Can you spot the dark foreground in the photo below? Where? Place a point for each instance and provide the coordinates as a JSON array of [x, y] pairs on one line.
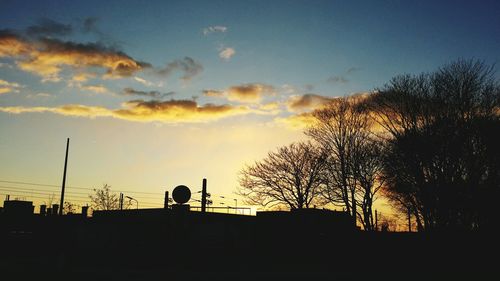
[[162, 245]]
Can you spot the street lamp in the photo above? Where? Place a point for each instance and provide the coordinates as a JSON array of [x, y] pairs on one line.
[[235, 203], [137, 202]]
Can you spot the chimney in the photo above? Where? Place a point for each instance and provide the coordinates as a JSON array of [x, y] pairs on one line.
[[85, 210], [43, 210], [55, 208]]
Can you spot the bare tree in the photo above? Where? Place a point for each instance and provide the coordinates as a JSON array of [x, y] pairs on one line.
[[104, 199], [288, 177], [368, 170], [342, 130], [69, 208]]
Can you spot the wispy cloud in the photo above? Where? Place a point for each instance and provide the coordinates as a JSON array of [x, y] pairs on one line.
[[39, 95], [353, 69], [152, 94], [226, 53], [213, 93], [143, 81], [212, 29], [99, 89], [337, 79], [187, 66], [296, 121], [49, 27], [8, 87], [172, 111], [342, 79]]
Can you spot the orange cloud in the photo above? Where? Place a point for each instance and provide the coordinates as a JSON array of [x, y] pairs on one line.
[[307, 102], [249, 93], [47, 57], [246, 93], [172, 111], [11, 45], [296, 121]]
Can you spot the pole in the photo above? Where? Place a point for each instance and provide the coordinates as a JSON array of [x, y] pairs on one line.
[[121, 201], [165, 204], [204, 196], [64, 178], [376, 220]]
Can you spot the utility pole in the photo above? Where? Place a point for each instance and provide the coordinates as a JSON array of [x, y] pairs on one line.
[[376, 220], [165, 203], [204, 196], [121, 201], [64, 178]]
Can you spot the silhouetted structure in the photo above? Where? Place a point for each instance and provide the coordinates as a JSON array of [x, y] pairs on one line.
[[18, 208]]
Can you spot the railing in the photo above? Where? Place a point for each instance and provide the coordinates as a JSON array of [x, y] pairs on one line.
[[228, 210]]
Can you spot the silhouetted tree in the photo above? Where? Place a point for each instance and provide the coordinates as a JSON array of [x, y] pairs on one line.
[[367, 169], [351, 175], [442, 156], [288, 177], [69, 208], [104, 199]]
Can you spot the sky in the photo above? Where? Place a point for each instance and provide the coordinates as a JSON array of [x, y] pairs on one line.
[[154, 94]]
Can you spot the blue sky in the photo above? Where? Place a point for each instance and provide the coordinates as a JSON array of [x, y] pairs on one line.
[[256, 63]]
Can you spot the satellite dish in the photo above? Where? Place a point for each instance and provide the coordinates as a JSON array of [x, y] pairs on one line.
[[181, 194]]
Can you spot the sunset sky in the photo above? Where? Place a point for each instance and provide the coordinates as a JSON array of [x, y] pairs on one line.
[[154, 94]]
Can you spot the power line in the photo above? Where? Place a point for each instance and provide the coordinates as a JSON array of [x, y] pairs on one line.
[[75, 187]]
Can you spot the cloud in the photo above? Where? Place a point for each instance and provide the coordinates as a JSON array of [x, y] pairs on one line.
[[82, 77], [177, 111], [89, 24], [48, 27], [213, 93], [188, 66], [307, 102], [39, 95], [12, 45], [8, 87], [296, 121], [353, 69], [99, 89], [143, 81], [212, 29], [337, 79], [271, 106], [6, 65], [172, 111], [249, 93], [152, 94], [227, 53], [245, 93], [47, 57]]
